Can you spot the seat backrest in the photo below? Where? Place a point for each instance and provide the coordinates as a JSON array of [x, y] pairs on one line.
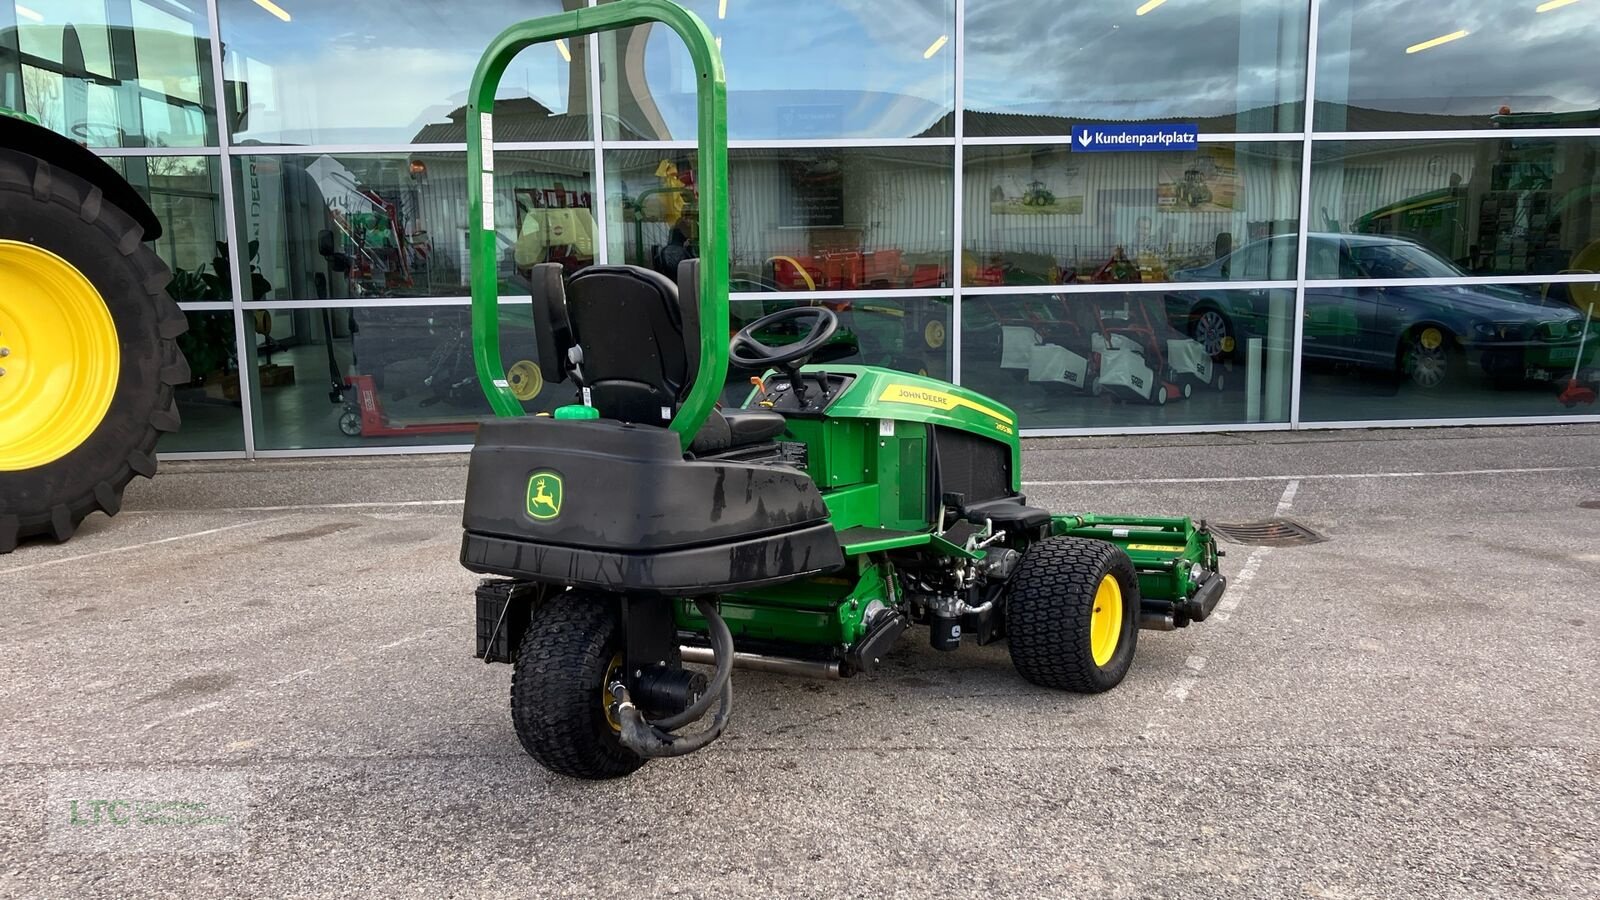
[[639, 345]]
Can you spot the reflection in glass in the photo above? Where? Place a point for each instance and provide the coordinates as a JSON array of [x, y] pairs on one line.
[[395, 224], [136, 73], [911, 335], [1432, 352], [378, 71], [823, 219], [1045, 215], [826, 69], [1503, 206], [185, 193], [1389, 65], [209, 404], [377, 376], [1037, 68], [1101, 360]]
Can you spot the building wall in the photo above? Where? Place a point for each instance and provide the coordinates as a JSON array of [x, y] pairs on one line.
[[1436, 166]]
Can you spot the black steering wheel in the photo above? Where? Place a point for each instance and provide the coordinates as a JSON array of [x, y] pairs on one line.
[[746, 352]]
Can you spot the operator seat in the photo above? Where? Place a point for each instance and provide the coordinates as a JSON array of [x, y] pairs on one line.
[[627, 335]]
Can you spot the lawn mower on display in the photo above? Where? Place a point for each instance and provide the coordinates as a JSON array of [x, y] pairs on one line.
[[1143, 358], [639, 529]]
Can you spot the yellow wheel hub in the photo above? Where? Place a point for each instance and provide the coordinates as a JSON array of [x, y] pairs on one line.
[[525, 379], [1105, 623], [59, 357], [613, 673]]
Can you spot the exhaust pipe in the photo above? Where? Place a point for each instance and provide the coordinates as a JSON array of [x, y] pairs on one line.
[[757, 662]]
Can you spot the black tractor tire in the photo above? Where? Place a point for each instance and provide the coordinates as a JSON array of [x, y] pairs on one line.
[[60, 212], [1050, 602], [557, 688]]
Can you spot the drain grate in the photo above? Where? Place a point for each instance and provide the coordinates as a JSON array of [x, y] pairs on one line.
[[1589, 504], [1268, 533]]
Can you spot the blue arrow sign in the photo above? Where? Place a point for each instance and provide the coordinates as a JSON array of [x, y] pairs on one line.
[[1145, 137]]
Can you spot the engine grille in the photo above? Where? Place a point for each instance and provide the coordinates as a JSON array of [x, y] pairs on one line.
[[976, 467]]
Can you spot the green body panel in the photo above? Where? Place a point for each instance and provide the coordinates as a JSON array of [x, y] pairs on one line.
[[712, 184], [15, 114], [879, 393], [827, 611]]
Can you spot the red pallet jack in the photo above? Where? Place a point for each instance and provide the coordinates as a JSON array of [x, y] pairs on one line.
[[1576, 391], [363, 415]]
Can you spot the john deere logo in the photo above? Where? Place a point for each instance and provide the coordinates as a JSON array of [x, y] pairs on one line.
[[544, 495]]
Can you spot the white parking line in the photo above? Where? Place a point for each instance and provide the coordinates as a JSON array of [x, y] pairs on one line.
[[1340, 476], [1286, 502], [166, 540]]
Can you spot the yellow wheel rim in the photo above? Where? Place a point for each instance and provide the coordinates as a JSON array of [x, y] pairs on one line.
[[933, 334], [613, 673], [58, 353], [1105, 623], [525, 379], [1432, 338]]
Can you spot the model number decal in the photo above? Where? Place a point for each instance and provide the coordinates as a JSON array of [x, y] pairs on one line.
[[1156, 548], [905, 393]]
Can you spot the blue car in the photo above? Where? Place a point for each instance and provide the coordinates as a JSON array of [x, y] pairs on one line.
[[1426, 334]]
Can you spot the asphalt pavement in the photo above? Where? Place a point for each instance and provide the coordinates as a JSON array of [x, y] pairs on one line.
[[258, 681]]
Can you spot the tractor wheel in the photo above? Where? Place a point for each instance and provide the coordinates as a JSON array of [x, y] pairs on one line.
[[1072, 614], [570, 652], [87, 351]]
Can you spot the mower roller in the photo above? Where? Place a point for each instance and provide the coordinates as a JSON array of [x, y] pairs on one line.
[[640, 528]]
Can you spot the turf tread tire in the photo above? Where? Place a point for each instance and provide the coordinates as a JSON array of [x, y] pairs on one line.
[[1049, 601], [60, 212], [555, 700]]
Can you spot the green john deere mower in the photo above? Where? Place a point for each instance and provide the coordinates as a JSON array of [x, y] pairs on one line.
[[641, 528], [88, 352]]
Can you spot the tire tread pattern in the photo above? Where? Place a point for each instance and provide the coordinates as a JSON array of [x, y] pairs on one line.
[[554, 701], [1049, 601], [96, 483]]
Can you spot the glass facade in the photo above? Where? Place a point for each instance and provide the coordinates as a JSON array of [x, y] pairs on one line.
[[1392, 214]]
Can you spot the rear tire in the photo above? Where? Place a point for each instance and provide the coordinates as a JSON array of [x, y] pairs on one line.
[[1051, 615], [558, 687], [57, 211]]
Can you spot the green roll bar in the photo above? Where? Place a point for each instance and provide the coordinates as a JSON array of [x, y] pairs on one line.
[[712, 102]]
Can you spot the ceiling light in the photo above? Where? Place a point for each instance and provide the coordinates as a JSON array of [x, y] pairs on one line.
[[1148, 5], [27, 13], [722, 8], [273, 8], [561, 48], [1543, 7], [1441, 39], [935, 46], [719, 42]]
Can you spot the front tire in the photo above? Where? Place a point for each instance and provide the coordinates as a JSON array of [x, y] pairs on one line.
[[572, 647], [1072, 615]]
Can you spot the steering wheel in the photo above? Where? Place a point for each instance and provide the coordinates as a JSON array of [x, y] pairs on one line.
[[746, 352]]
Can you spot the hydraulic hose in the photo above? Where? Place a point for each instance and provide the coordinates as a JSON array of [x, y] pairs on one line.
[[655, 739]]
